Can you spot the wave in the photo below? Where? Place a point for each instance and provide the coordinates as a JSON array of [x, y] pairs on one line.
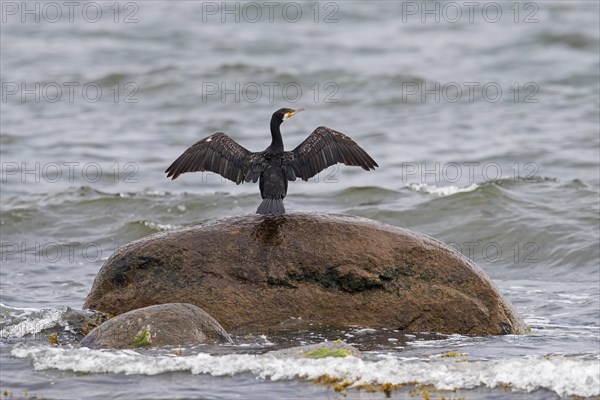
[[441, 190], [574, 40], [565, 376], [505, 182], [24, 322]]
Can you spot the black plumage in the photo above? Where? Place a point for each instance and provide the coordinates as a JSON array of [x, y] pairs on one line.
[[273, 167]]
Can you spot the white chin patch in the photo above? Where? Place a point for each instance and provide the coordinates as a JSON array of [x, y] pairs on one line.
[[286, 116]]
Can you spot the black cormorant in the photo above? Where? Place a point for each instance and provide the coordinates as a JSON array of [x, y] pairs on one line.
[[273, 167]]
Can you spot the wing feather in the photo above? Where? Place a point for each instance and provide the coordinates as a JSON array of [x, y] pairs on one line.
[[217, 153], [323, 148]]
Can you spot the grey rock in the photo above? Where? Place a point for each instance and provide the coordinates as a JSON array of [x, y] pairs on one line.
[[174, 324]]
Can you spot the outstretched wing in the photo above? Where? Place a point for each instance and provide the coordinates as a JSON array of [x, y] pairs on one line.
[[217, 153], [323, 148]]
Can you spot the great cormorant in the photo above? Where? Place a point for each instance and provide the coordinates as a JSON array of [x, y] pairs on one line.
[[273, 167]]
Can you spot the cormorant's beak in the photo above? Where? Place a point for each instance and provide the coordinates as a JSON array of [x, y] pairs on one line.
[[293, 112]]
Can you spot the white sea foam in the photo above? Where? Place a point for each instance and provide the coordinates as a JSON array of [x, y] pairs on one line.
[[19, 322], [160, 227], [566, 376], [441, 190]]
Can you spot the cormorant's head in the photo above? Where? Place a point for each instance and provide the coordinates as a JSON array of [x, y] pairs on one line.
[[284, 113]]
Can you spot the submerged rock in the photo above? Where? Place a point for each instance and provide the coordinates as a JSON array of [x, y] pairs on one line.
[[174, 324], [319, 350], [255, 272]]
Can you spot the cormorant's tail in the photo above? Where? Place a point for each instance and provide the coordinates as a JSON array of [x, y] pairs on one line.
[[271, 206]]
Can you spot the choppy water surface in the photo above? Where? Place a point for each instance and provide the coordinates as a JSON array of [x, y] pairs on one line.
[[485, 125]]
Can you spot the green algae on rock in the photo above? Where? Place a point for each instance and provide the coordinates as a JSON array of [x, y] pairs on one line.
[[322, 353], [143, 337]]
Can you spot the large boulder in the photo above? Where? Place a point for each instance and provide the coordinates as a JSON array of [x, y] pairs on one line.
[[156, 326], [255, 272]]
